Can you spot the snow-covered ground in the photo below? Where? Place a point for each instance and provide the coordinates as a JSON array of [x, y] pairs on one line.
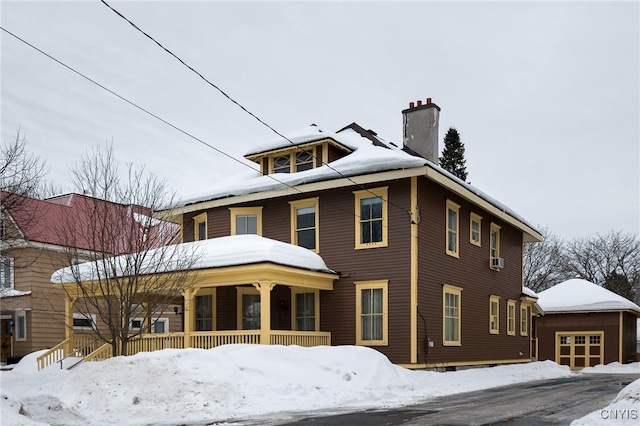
[[240, 382]]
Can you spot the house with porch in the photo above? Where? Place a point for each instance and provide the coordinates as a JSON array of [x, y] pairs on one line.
[[403, 257], [37, 235]]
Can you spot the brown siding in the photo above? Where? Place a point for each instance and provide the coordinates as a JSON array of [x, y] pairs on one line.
[[472, 273], [608, 322], [629, 339]]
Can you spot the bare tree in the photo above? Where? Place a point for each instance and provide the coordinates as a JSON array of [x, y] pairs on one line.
[[21, 174], [544, 262], [132, 269], [611, 260]]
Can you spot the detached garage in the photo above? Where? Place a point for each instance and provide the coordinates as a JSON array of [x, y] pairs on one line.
[[585, 325]]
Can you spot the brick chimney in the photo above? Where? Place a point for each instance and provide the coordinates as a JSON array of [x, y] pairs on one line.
[[420, 130]]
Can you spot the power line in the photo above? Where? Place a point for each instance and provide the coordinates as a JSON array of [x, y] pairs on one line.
[[242, 107], [163, 120]]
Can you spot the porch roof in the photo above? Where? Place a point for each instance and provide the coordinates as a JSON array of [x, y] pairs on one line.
[[216, 253]]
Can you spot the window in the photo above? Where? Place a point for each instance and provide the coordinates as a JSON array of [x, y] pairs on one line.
[[524, 322], [21, 326], [452, 228], [246, 220], [161, 325], [304, 160], [6, 273], [204, 312], [84, 321], [451, 298], [304, 223], [511, 317], [494, 244], [475, 230], [282, 164], [200, 227], [305, 310], [372, 313], [248, 308], [371, 221], [494, 315]]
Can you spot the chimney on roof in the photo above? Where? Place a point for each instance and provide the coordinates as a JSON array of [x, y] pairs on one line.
[[420, 130]]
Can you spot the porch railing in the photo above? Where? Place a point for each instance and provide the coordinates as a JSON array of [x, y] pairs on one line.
[[155, 342], [211, 339], [79, 346], [300, 338]]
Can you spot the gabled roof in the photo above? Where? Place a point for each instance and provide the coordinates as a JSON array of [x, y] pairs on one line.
[[39, 221], [367, 160], [578, 295]]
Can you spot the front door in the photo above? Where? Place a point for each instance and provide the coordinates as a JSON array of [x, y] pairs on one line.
[[5, 338]]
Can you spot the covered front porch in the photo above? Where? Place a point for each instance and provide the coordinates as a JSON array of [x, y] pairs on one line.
[[255, 302]]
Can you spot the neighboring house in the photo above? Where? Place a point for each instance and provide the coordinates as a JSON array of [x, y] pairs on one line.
[[34, 237], [585, 324]]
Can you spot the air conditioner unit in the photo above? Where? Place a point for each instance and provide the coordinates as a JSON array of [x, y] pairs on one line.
[[497, 263]]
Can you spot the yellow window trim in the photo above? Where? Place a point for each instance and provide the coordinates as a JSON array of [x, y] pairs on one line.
[[451, 206], [208, 291], [450, 289], [524, 321], [241, 211], [291, 153], [494, 229], [475, 219], [511, 317], [308, 202], [241, 291], [197, 220], [494, 320], [298, 290], [365, 285], [382, 192]]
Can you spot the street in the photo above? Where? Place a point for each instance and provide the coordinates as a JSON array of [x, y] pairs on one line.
[[549, 402]]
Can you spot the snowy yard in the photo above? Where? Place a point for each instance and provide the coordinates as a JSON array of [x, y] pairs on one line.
[[235, 382]]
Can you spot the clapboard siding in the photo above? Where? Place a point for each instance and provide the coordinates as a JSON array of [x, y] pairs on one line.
[[471, 272]]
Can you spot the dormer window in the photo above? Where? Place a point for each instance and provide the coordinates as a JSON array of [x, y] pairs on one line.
[[293, 159], [282, 164], [304, 161]]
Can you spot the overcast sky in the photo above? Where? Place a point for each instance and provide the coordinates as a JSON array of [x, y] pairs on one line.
[[546, 96]]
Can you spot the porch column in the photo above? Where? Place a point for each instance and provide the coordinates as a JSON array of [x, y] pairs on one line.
[[187, 314], [265, 287], [69, 303]]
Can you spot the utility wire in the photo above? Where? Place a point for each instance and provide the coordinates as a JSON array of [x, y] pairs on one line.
[[163, 120], [242, 107]]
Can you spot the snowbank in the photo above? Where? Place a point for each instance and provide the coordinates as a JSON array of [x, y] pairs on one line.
[[235, 382]]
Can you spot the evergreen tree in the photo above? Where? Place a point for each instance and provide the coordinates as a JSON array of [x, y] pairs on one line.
[[452, 159]]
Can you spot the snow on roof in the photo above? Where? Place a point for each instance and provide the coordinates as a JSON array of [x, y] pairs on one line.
[[10, 292], [578, 295], [307, 134], [212, 253], [528, 292], [366, 158]]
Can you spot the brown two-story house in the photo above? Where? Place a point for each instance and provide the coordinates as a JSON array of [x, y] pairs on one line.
[[428, 269]]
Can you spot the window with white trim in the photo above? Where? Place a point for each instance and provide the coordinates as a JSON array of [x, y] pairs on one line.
[[84, 321], [372, 315], [21, 326], [6, 273]]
